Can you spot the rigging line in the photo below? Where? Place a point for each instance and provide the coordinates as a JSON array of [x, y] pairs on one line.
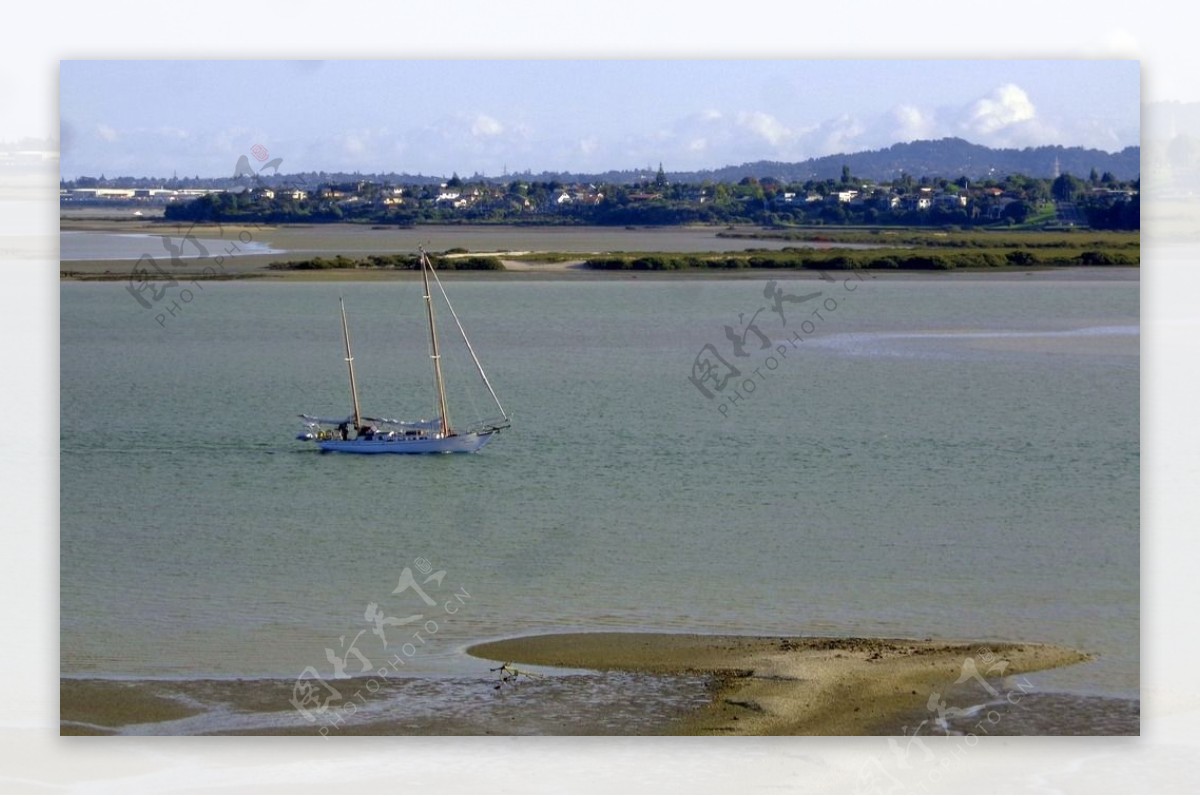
[[470, 348], [350, 364]]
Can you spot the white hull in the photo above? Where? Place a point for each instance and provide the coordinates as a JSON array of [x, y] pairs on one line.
[[456, 443]]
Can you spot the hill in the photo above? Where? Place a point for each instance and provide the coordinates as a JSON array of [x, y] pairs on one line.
[[949, 157]]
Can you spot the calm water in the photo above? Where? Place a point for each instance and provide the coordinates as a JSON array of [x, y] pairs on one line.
[[75, 245], [937, 458], [325, 239]]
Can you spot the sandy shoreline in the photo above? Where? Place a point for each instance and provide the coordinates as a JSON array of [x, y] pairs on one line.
[[790, 686], [662, 684]]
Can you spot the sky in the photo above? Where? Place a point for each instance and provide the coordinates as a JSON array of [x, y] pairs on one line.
[[440, 117]]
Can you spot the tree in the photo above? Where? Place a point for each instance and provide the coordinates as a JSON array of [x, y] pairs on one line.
[[833, 214], [1065, 188], [1017, 212]]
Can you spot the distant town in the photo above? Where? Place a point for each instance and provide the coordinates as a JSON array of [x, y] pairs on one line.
[[1099, 201], [928, 183]]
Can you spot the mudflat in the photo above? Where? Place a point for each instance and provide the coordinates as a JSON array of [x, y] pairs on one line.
[[790, 686]]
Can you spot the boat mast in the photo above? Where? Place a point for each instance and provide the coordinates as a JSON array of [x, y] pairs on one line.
[[435, 353], [474, 357], [350, 364]]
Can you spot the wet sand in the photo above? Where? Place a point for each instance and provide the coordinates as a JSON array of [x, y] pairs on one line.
[[98, 707], [788, 686], [572, 703], [602, 684]]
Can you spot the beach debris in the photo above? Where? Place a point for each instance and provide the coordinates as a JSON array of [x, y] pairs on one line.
[[509, 674]]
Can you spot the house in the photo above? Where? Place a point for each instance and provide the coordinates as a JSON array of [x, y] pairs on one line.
[[1119, 194], [950, 201], [995, 210]]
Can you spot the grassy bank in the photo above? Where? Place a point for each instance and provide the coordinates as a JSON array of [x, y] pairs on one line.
[[945, 238], [405, 262], [349, 251], [916, 250], [908, 259]]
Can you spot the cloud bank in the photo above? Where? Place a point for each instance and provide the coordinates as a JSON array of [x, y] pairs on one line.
[[489, 142]]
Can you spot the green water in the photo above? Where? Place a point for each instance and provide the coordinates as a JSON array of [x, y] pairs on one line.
[[937, 458]]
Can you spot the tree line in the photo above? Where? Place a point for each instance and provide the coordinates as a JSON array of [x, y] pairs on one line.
[[1100, 201]]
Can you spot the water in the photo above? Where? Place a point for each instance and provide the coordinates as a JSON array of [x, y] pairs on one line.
[[78, 245], [950, 458], [361, 240]]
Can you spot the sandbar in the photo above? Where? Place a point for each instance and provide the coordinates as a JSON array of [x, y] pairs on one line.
[[789, 685]]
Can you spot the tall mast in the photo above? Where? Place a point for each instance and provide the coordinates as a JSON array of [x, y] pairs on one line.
[[474, 356], [350, 364], [435, 353]]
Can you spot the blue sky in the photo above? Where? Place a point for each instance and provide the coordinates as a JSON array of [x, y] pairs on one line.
[[437, 117]]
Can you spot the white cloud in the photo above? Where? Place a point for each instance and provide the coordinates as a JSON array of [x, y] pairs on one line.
[[834, 136], [1003, 107], [346, 150], [909, 123], [475, 142], [707, 137], [486, 126], [765, 126]]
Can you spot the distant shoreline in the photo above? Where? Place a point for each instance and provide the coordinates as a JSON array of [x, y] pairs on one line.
[[526, 253]]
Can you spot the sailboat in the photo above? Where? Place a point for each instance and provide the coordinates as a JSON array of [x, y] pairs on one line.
[[358, 433]]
